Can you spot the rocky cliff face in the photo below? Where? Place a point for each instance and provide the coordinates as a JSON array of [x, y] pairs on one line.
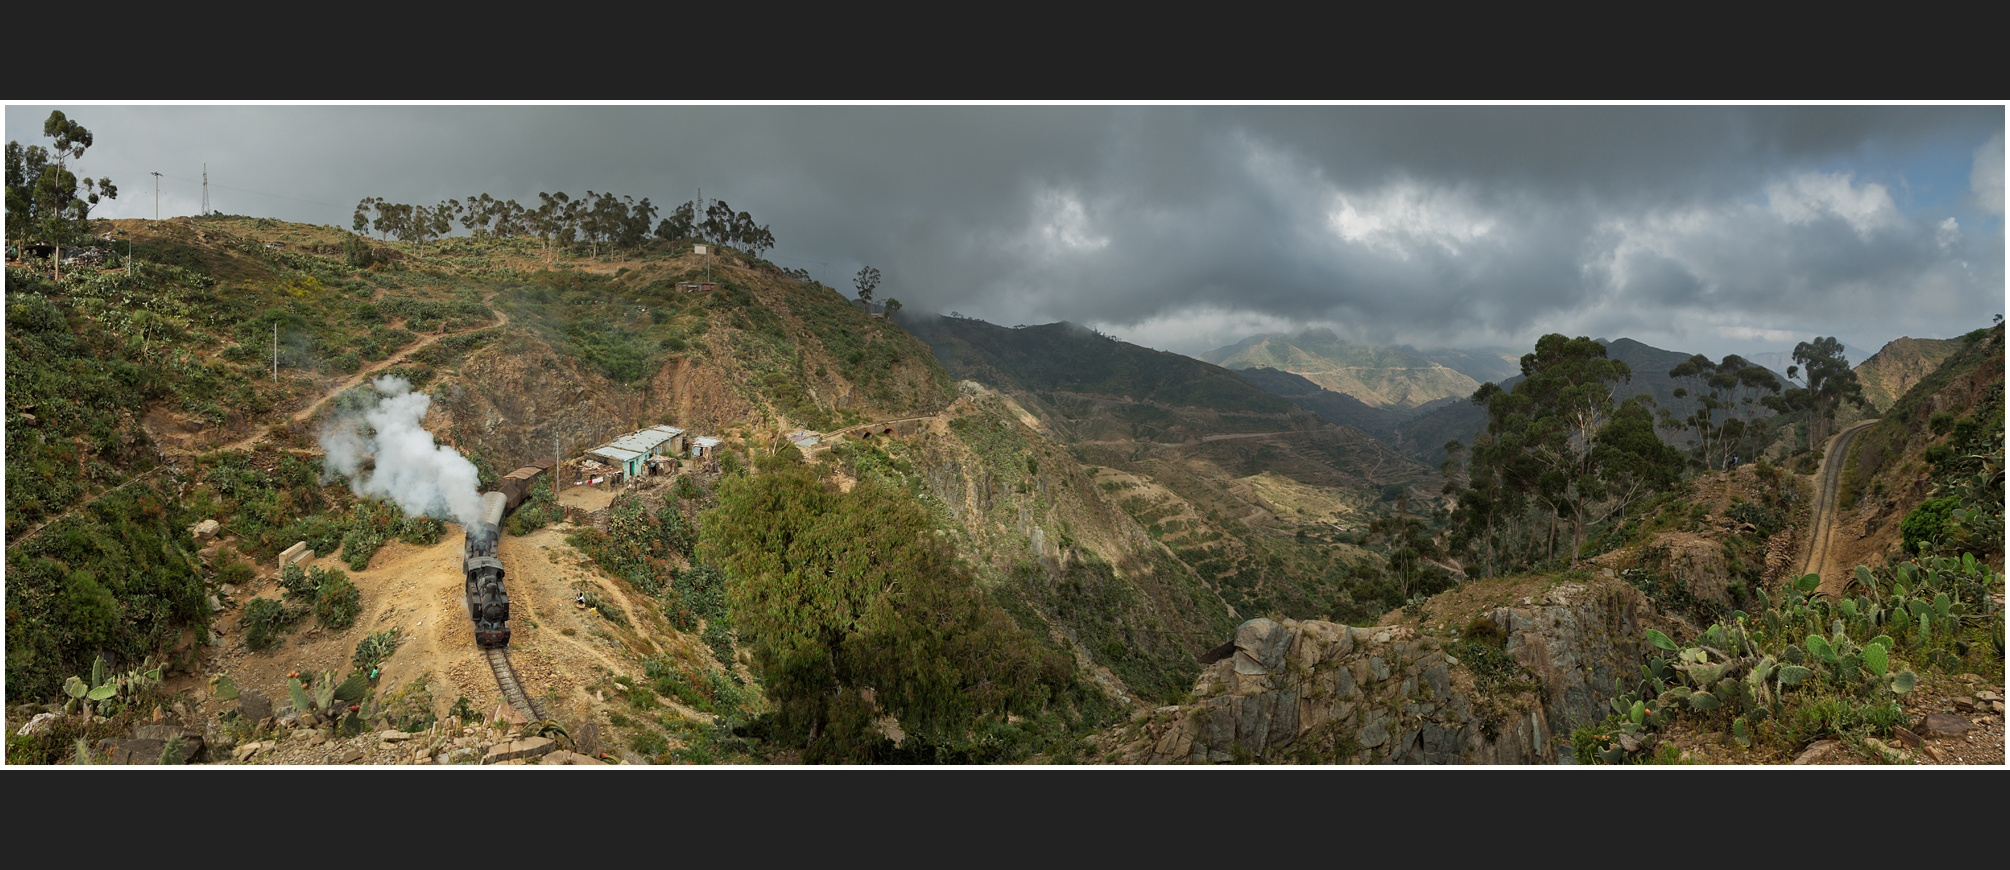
[[1321, 693]]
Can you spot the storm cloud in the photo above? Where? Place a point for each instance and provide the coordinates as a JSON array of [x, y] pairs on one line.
[[1703, 229]]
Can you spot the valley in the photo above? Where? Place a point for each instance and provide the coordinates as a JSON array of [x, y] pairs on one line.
[[1109, 515]]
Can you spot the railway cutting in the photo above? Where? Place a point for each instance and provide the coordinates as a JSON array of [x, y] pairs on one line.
[[1822, 525]]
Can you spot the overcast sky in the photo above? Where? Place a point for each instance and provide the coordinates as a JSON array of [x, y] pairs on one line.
[[1700, 229]]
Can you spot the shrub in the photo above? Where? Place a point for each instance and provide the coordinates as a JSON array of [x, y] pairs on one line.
[[337, 601], [1484, 631], [264, 624], [294, 580], [1757, 515], [374, 649], [410, 707], [1926, 523], [422, 531], [233, 570]]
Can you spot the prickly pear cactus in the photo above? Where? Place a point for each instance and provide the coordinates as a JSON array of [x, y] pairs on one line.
[[352, 689], [324, 691]]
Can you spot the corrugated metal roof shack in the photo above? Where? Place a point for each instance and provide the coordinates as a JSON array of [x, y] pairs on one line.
[[630, 453]]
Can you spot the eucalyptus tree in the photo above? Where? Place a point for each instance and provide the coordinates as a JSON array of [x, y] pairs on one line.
[[718, 225], [1827, 382], [555, 219], [1559, 442], [1734, 387], [477, 213], [634, 225], [679, 225], [43, 195], [866, 280]]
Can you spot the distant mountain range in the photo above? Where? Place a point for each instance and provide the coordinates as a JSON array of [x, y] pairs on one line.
[[1396, 378], [1778, 360], [1420, 430]]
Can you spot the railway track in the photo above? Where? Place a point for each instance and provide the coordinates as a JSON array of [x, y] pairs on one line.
[[1825, 508], [512, 688]]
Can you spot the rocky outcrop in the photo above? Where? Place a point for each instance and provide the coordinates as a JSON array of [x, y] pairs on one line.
[[1321, 693]]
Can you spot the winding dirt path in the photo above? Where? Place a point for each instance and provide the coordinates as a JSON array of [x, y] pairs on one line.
[[245, 443], [1821, 526], [350, 382]]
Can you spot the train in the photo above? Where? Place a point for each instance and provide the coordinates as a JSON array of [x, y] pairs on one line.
[[487, 596]]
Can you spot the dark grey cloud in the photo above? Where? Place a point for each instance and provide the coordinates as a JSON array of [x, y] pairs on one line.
[[1713, 229]]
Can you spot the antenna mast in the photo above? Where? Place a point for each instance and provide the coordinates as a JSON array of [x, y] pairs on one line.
[[205, 189]]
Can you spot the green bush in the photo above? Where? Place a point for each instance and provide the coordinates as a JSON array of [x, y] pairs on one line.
[[374, 649], [1757, 515], [233, 570], [337, 601], [1927, 523], [264, 624]]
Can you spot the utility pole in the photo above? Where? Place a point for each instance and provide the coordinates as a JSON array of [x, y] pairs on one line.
[[157, 196], [205, 193]]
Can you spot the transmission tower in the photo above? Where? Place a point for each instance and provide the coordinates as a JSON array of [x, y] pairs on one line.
[[205, 190]]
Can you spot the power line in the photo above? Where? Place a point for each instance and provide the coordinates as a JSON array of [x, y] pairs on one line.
[[248, 190]]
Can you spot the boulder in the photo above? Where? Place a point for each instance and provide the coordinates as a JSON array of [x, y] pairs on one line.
[[191, 740], [1823, 752], [41, 723], [253, 705], [1944, 725], [516, 750]]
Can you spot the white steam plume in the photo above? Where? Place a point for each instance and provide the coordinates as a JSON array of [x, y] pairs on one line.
[[423, 479]]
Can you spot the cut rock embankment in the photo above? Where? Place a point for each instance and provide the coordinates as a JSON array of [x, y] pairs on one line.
[[1321, 693]]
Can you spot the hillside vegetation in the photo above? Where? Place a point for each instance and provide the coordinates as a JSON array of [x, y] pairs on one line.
[[1049, 529], [147, 403]]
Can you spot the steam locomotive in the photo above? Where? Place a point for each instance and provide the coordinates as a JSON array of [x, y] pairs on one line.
[[488, 600]]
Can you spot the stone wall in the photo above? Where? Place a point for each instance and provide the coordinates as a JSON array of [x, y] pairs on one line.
[[1321, 693]]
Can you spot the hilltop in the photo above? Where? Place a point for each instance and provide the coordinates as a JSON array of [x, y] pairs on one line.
[[1899, 365]]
